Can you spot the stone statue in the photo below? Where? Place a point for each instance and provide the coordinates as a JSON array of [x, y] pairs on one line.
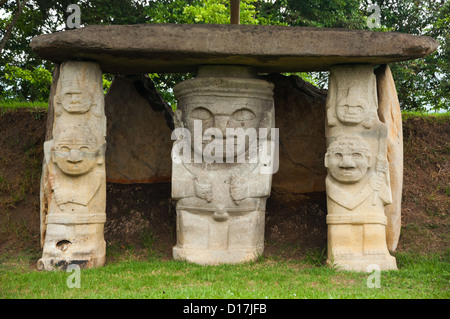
[[79, 98], [352, 96], [357, 185], [73, 187], [76, 171], [220, 188]]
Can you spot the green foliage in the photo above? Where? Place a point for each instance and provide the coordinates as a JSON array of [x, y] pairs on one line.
[[314, 13], [308, 77], [421, 83], [106, 83], [218, 12], [212, 12], [32, 85]]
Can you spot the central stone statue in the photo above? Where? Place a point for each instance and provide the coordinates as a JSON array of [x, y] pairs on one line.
[[221, 187]]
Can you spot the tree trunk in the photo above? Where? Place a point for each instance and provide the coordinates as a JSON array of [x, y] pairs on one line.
[[13, 22]]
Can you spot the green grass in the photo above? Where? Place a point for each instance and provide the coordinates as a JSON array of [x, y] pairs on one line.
[[424, 277], [14, 105], [443, 117]]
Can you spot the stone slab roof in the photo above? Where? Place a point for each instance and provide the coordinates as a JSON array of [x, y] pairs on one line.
[[174, 48]]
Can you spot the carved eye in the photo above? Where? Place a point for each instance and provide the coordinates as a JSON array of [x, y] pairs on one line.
[[338, 155], [200, 113], [64, 149], [243, 115], [84, 149], [357, 155]]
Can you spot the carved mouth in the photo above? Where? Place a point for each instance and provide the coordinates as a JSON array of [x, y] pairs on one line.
[[76, 105], [352, 117], [347, 170]]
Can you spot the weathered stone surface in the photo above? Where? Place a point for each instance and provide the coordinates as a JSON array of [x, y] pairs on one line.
[[390, 114], [300, 109], [138, 137], [73, 187], [357, 185], [181, 48], [221, 201]]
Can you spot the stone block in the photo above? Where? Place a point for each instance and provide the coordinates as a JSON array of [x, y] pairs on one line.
[[138, 137], [389, 113]]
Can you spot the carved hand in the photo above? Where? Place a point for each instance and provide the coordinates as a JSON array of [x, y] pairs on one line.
[[51, 181], [56, 192], [379, 181], [238, 188], [203, 190], [381, 169], [59, 198], [382, 165]]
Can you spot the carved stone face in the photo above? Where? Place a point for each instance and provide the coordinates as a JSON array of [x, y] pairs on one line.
[[352, 95], [347, 160], [222, 116], [75, 101], [352, 104], [76, 154]]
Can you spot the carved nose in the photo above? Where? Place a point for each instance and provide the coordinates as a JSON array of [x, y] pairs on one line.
[[221, 122], [347, 162], [76, 98], [353, 100], [74, 156]]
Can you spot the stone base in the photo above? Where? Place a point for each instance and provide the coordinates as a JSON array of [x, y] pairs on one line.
[[216, 257], [361, 263], [62, 264], [81, 244]]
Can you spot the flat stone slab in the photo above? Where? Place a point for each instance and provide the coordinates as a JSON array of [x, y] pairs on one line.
[[182, 47]]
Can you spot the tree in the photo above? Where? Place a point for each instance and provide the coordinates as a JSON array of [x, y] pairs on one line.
[[19, 7], [37, 17], [18, 25], [314, 13], [421, 83]]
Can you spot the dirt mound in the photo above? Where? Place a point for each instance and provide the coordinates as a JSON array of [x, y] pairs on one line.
[[143, 215], [22, 135], [426, 184]]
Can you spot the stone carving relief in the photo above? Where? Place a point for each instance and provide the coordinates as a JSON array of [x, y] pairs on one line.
[[221, 203], [352, 97], [73, 190], [357, 185], [79, 98]]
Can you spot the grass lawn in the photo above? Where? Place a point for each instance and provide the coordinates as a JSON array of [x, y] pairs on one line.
[[418, 277], [13, 105]]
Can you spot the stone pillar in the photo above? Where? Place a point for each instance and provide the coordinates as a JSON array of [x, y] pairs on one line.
[[221, 196], [73, 186], [357, 184]]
